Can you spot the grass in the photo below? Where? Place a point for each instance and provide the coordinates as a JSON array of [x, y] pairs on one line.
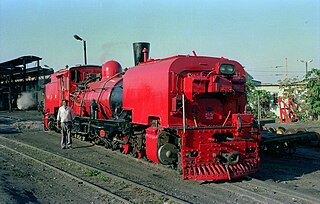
[[92, 173]]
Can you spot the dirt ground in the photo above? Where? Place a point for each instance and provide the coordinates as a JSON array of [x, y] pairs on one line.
[[23, 181]]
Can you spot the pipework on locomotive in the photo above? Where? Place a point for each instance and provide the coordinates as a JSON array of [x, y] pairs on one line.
[[185, 111]]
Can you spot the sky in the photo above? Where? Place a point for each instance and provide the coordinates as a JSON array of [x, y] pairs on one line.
[[260, 34]]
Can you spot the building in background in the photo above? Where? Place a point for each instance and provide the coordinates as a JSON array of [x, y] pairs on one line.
[[277, 90], [23, 74], [250, 78]]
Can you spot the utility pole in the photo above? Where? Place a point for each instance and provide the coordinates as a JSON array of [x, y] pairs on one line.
[[259, 112], [286, 69]]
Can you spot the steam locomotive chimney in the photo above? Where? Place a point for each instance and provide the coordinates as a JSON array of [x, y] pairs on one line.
[[141, 52]]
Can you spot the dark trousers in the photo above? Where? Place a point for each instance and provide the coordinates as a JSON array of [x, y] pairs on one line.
[[66, 134]]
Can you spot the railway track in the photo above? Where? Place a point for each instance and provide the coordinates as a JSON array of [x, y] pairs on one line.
[[252, 189], [119, 188], [270, 193], [310, 158], [65, 173], [294, 195]]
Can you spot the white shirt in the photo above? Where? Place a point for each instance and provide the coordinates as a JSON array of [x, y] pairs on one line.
[[65, 114]]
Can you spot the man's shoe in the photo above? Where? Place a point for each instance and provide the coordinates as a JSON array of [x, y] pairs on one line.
[[63, 147], [69, 147]]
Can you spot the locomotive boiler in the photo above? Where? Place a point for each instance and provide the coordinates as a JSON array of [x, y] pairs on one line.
[[187, 111]]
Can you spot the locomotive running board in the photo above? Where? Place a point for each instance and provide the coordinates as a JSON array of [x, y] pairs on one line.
[[213, 172]]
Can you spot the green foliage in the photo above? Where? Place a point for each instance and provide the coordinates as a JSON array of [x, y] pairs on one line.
[[252, 101], [312, 98], [92, 173], [306, 96], [293, 88], [290, 88], [250, 86]]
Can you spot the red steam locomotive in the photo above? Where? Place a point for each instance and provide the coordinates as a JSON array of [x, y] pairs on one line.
[[185, 111]]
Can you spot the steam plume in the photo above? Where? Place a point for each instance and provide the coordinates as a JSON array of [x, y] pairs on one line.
[[25, 101]]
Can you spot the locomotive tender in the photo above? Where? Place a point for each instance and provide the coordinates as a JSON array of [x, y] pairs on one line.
[[185, 111]]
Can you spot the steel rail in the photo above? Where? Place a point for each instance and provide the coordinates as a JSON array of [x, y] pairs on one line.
[[301, 156], [259, 198], [283, 191], [242, 192], [111, 175]]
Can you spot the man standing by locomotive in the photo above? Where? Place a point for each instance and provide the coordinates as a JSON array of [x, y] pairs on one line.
[[65, 118]]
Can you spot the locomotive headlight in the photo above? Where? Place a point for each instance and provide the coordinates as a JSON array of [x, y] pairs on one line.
[[227, 69]]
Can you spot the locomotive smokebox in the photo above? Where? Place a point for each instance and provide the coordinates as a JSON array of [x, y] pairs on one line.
[[141, 52]]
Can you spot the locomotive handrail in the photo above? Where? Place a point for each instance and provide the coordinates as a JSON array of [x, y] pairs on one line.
[[240, 123], [183, 113], [225, 121], [81, 103], [105, 87], [85, 91], [103, 112]]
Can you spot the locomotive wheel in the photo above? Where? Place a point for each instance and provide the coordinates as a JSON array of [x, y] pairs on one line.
[[168, 154], [275, 149], [271, 130], [289, 148], [97, 141], [136, 153], [125, 147], [281, 130], [44, 128], [263, 147], [300, 130], [51, 125], [291, 131], [140, 155]]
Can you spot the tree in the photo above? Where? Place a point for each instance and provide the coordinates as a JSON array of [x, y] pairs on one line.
[[294, 88], [252, 101], [312, 86], [289, 87]]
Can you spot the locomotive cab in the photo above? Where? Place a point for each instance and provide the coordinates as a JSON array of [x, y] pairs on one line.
[[63, 85]]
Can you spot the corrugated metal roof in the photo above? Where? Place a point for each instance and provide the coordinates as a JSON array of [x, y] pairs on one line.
[[19, 61]]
